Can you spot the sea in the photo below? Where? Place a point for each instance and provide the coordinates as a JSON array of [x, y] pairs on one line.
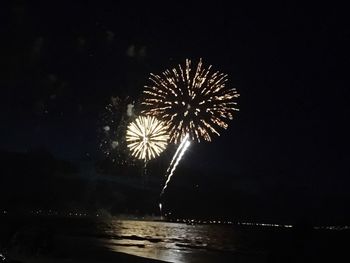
[[177, 242], [192, 243]]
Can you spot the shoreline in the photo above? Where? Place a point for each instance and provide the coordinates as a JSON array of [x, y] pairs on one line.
[[41, 241]]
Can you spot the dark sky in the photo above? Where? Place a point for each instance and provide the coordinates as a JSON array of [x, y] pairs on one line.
[[290, 63]]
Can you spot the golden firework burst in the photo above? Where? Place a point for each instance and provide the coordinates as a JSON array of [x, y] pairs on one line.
[[146, 137], [190, 101]]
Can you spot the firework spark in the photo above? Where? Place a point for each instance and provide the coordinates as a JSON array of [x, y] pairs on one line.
[[112, 129], [146, 137], [191, 101], [176, 159]]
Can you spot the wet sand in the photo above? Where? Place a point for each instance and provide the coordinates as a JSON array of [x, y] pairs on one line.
[[103, 257], [77, 250]]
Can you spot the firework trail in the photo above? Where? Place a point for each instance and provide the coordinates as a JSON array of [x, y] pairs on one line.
[[146, 137], [192, 101], [178, 150], [176, 159], [160, 209]]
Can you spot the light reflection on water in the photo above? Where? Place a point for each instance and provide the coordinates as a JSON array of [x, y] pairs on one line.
[[170, 242]]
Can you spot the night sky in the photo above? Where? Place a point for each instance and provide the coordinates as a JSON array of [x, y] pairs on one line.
[[285, 155]]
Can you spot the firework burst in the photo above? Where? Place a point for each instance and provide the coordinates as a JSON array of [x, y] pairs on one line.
[[146, 137], [192, 101]]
